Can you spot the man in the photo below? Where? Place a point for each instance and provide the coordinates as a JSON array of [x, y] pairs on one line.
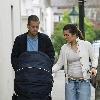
[[31, 41]]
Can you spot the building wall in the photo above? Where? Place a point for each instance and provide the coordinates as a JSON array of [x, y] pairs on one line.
[[42, 9], [49, 21], [92, 9], [28, 7], [9, 29]]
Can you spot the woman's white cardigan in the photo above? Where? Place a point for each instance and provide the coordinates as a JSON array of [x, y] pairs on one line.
[[85, 51]]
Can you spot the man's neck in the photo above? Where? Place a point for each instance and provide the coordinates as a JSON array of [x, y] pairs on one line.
[[31, 35]]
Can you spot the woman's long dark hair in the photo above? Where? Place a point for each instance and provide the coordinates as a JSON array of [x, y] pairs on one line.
[[73, 29]]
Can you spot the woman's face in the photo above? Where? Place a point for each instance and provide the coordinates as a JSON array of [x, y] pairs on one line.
[[69, 37]]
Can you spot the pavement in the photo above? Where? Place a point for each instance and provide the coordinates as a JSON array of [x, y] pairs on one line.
[[58, 91]]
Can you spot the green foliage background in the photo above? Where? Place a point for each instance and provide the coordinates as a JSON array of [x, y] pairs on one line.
[[58, 39], [89, 30]]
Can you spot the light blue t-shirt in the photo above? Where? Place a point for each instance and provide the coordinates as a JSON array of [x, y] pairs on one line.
[[32, 43]]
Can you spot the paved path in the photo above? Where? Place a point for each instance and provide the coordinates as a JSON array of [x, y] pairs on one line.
[[58, 87]]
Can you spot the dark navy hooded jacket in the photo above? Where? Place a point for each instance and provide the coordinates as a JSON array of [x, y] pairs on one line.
[[20, 46]]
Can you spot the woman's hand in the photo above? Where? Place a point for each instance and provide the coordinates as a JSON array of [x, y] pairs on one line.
[[93, 71]]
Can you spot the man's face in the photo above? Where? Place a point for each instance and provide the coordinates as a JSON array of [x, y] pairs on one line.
[[33, 27]]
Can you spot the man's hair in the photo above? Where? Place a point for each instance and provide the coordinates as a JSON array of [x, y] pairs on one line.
[[32, 18]]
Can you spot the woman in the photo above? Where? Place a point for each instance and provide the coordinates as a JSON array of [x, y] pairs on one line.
[[74, 56]]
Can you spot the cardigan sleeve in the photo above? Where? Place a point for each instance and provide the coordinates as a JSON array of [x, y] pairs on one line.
[[59, 63], [92, 55]]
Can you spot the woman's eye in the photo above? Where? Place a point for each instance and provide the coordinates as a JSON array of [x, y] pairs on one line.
[[66, 35]]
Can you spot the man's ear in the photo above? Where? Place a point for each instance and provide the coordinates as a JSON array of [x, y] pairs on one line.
[[28, 26]]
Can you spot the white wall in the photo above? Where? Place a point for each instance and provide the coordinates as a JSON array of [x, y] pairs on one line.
[[9, 29], [28, 7], [42, 10], [24, 24], [49, 21]]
